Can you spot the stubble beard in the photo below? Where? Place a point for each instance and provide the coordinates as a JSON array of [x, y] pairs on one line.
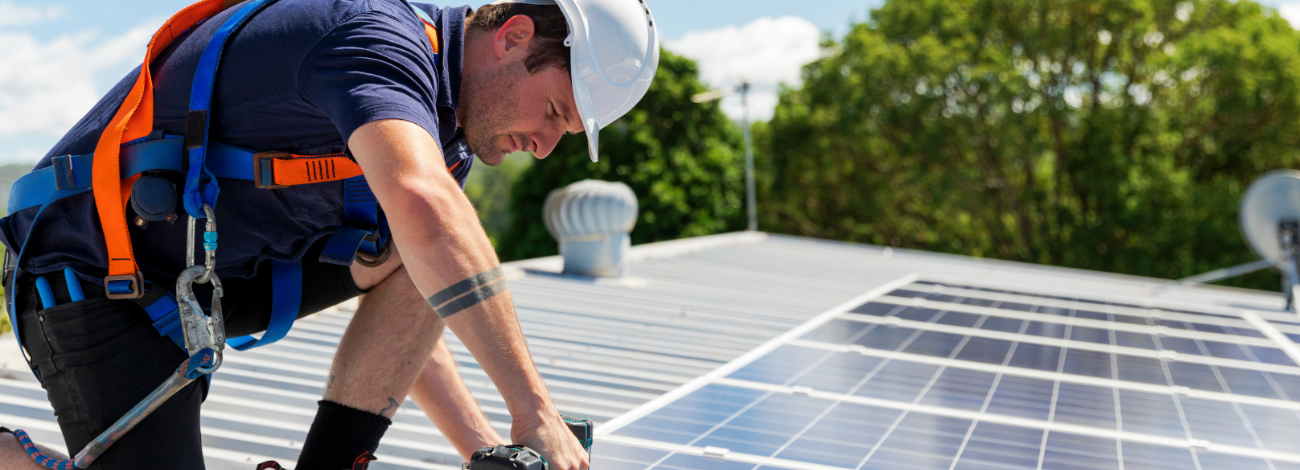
[[484, 111]]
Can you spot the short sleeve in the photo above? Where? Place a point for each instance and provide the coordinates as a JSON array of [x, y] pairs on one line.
[[374, 66]]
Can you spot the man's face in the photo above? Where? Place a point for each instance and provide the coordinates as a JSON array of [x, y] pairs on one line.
[[505, 109]]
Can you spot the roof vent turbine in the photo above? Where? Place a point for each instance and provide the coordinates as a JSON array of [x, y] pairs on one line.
[[592, 221]]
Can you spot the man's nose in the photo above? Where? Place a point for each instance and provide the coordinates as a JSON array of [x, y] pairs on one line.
[[545, 143]]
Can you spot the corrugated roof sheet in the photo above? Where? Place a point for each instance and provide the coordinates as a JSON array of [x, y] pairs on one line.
[[607, 347]]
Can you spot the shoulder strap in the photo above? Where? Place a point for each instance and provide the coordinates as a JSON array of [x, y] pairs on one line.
[[133, 120], [200, 184], [429, 29]]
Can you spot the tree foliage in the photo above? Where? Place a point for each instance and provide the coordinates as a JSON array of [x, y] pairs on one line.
[[488, 189], [682, 159], [1114, 135]]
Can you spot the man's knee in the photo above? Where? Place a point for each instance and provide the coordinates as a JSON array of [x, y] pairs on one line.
[[396, 292]]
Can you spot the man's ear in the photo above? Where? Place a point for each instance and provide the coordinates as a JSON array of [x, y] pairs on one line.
[[513, 37]]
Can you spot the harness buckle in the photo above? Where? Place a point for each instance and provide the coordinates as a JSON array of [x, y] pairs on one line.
[[379, 257], [264, 168], [135, 284], [64, 178]]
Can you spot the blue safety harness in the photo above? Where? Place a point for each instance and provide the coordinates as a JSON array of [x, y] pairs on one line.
[[365, 231]]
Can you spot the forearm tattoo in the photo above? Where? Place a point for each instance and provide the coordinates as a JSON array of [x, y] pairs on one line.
[[468, 293], [392, 405]]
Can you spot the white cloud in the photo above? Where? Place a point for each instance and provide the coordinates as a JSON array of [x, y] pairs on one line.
[[45, 87], [766, 52], [1291, 13], [15, 15], [23, 155]]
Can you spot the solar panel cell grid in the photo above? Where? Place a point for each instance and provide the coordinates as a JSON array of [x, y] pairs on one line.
[[831, 375], [897, 381], [1278, 431], [1085, 405], [1022, 397], [1008, 325], [1036, 356], [683, 462], [959, 389], [1066, 451], [1289, 384], [1016, 385], [837, 331], [996, 444], [1089, 363]]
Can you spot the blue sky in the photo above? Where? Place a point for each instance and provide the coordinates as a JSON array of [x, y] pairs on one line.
[[61, 55], [676, 17], [58, 56]]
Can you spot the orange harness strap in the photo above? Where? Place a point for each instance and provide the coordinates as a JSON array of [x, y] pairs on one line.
[[280, 169], [432, 33], [134, 119]]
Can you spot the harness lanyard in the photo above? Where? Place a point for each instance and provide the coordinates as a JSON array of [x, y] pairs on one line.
[[134, 120]]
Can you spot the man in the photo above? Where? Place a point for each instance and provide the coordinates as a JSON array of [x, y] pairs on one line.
[[408, 94]]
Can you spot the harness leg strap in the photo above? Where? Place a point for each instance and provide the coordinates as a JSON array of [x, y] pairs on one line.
[[286, 300]]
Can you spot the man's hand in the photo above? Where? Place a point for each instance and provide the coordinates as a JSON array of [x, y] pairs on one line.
[[550, 437]]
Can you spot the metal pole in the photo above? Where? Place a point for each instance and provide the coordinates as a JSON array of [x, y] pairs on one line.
[[1288, 234], [750, 198]]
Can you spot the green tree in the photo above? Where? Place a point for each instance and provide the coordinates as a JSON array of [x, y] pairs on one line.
[[488, 189], [682, 159], [1114, 135]]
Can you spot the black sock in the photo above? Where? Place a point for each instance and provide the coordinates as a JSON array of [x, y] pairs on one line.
[[339, 435]]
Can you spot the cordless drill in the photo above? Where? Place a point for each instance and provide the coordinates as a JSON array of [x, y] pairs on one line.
[[516, 457]]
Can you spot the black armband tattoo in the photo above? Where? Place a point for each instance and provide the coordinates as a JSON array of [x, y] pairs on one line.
[[468, 293], [471, 283]]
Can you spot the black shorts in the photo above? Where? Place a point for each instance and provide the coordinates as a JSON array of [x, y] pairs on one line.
[[97, 358]]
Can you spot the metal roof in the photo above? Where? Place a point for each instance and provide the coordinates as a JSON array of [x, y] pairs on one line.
[[691, 313]]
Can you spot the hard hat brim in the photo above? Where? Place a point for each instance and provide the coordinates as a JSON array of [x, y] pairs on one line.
[[593, 137]]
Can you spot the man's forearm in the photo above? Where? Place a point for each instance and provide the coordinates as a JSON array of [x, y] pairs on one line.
[[444, 398], [491, 331], [446, 245]]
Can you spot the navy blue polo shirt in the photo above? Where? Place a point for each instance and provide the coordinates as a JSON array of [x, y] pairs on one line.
[[300, 77]]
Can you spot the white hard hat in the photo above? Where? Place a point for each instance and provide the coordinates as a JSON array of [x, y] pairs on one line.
[[615, 50]]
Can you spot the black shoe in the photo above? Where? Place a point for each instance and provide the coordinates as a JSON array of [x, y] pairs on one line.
[[361, 463]]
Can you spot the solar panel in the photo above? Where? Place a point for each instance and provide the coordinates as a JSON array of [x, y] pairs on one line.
[[941, 376]]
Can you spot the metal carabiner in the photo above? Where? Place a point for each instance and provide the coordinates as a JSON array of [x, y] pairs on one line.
[[200, 330], [209, 243]]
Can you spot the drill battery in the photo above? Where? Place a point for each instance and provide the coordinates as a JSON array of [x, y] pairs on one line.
[[514, 457]]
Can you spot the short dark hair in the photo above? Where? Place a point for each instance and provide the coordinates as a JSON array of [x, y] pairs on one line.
[[549, 29]]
